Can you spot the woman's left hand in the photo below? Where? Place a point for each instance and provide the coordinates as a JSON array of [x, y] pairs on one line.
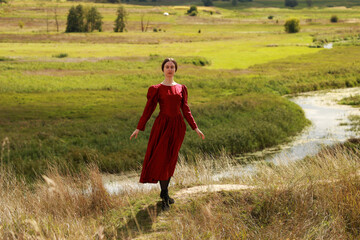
[[201, 135]]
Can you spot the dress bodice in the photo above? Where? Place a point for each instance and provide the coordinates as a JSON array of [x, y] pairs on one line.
[[171, 99]]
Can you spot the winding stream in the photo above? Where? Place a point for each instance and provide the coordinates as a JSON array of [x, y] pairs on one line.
[[329, 126]]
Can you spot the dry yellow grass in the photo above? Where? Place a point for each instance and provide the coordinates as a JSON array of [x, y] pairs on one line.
[[316, 198]]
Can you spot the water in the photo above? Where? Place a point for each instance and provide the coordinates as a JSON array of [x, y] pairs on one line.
[[329, 126]]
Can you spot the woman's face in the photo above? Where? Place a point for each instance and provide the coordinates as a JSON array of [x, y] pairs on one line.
[[169, 69]]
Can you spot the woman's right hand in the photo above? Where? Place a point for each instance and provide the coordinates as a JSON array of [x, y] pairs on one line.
[[135, 133]]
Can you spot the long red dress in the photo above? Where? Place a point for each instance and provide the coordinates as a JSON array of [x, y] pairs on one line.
[[168, 131]]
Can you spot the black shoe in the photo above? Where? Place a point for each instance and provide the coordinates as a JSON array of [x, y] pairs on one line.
[[165, 204], [165, 195]]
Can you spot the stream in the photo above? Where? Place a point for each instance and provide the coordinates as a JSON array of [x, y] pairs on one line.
[[330, 125]]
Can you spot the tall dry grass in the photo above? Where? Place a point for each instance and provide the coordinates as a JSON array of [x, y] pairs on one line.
[[57, 207], [316, 198]]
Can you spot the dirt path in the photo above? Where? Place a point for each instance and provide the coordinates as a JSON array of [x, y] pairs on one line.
[[187, 192]]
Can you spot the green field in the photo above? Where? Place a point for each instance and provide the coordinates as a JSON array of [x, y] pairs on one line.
[[82, 108]]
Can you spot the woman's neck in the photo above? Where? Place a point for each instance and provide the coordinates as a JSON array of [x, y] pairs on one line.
[[168, 81]]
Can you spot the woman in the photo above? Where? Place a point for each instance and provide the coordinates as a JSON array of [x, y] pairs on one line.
[[168, 131]]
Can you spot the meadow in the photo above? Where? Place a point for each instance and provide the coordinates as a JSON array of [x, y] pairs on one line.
[[75, 98], [69, 102]]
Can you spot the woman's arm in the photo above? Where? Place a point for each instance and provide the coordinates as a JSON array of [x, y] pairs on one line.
[[187, 113], [150, 107]]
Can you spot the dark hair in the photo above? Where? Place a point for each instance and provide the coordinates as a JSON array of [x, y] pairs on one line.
[[168, 60]]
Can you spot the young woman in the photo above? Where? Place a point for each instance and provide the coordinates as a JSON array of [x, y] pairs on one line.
[[168, 131]]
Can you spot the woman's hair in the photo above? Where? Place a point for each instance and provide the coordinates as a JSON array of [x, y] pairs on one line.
[[168, 60]]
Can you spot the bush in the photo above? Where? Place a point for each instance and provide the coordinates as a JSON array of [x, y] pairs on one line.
[[192, 11], [61, 55], [21, 24], [292, 25], [270, 17], [291, 3], [334, 19]]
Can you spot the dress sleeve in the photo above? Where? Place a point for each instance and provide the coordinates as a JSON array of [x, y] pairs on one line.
[[186, 110], [152, 99]]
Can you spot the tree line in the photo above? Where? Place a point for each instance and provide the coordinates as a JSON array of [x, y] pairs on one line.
[[80, 19]]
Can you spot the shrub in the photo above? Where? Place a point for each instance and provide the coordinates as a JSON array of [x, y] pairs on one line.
[[292, 25], [192, 11], [334, 19], [291, 3], [270, 17], [21, 24], [61, 55]]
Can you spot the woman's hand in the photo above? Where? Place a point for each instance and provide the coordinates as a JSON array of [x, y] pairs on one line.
[[201, 135], [135, 133]]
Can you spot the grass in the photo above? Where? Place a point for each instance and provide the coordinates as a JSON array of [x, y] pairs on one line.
[[313, 198], [84, 111], [82, 108], [354, 119], [294, 200]]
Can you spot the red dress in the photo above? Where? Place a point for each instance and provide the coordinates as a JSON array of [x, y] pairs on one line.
[[168, 131]]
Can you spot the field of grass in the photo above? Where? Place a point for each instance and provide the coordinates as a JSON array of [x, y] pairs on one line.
[[82, 107]]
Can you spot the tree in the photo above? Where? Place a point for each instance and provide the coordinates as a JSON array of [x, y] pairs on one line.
[[75, 19], [56, 18], [234, 2], [143, 27], [207, 2], [309, 3], [291, 3], [93, 20], [120, 21], [292, 25], [192, 11]]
